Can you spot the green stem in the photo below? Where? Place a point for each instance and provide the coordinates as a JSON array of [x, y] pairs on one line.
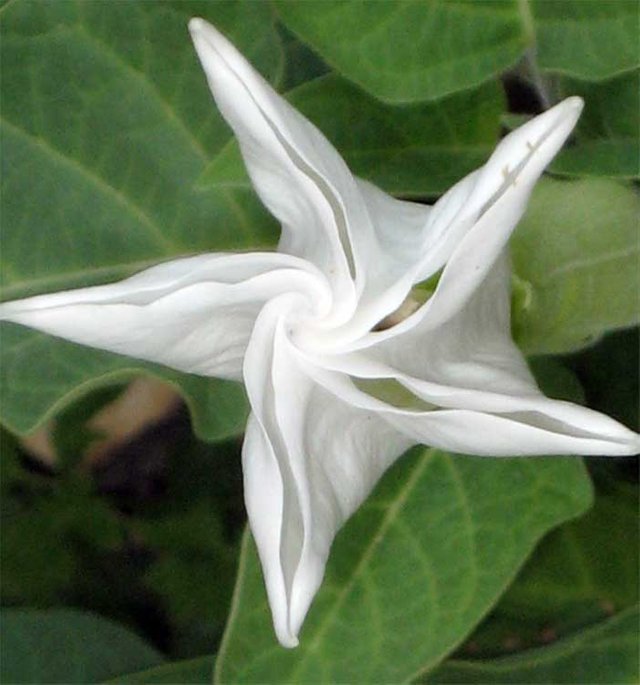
[[537, 78]]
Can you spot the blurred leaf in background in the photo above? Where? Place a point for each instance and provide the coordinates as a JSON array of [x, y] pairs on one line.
[[602, 654], [67, 646], [410, 50], [607, 140], [575, 259], [587, 40]]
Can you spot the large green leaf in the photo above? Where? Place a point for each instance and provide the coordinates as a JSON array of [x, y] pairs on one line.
[[605, 653], [39, 374], [414, 150], [575, 255], [106, 124], [580, 574], [414, 50], [411, 573], [581, 565], [588, 40], [410, 50], [607, 140], [66, 646]]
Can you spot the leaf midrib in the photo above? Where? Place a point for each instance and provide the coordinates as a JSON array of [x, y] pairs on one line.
[[586, 263], [97, 181], [376, 539], [139, 76]]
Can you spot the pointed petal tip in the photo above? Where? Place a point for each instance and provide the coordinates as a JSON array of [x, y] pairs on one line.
[[286, 637], [561, 118], [572, 106], [289, 641], [575, 101], [196, 25], [202, 31]]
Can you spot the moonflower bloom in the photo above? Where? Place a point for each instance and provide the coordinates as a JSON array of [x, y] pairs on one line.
[[324, 334]]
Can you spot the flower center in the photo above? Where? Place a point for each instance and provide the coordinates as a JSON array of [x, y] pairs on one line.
[[400, 314]]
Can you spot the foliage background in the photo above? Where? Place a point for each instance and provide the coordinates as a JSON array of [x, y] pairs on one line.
[[457, 569]]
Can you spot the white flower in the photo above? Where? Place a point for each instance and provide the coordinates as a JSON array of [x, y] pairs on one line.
[[302, 327]]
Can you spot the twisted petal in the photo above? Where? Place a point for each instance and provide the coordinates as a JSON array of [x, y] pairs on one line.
[[325, 213], [469, 227], [470, 373], [499, 197], [194, 314], [309, 460], [530, 428]]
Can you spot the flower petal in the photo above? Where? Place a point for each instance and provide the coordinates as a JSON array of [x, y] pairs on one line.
[[497, 202], [325, 212], [470, 363], [533, 426], [270, 490], [264, 498], [193, 314], [471, 224], [317, 460], [471, 351], [276, 141]]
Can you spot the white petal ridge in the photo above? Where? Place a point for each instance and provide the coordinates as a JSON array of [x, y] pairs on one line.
[[326, 214], [309, 462], [194, 314]]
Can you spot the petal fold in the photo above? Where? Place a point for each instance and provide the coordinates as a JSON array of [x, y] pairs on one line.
[[469, 369], [468, 228], [328, 217], [194, 314], [496, 202], [316, 460]]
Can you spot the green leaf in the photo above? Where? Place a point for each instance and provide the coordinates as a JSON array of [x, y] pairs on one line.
[[106, 124], [580, 574], [605, 653], [411, 573], [581, 564], [587, 40], [410, 50], [66, 646], [575, 257], [60, 372], [414, 150], [607, 140], [189, 672]]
